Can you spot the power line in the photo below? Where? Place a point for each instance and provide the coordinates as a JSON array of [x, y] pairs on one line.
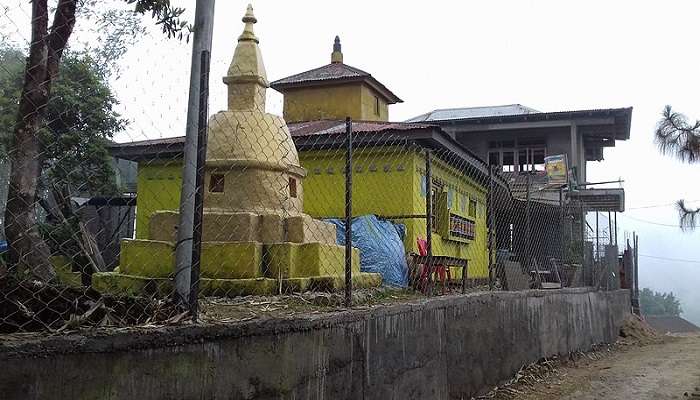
[[670, 259], [659, 205], [651, 222]]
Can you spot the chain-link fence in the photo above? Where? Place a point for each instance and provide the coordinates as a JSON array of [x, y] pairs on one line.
[[312, 212]]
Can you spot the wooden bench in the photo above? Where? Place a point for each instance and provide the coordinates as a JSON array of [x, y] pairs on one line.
[[445, 261]]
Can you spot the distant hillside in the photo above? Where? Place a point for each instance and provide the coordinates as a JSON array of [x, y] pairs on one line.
[[671, 324]]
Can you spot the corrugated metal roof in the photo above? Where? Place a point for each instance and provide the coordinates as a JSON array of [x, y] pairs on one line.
[[332, 73], [473, 112], [329, 127], [150, 142], [325, 133]]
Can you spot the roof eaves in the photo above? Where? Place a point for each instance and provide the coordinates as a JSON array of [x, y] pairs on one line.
[[555, 115]]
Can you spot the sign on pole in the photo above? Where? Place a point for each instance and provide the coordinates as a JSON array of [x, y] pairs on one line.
[[557, 169]]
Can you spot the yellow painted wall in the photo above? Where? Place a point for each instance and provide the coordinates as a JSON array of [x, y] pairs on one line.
[[386, 182], [369, 105], [463, 188], [394, 193], [381, 182], [356, 101], [158, 188]]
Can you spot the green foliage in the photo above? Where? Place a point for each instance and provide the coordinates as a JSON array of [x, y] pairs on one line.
[[11, 76], [165, 15], [657, 303], [80, 119]]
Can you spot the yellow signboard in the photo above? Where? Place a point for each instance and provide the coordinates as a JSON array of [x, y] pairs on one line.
[[557, 169]]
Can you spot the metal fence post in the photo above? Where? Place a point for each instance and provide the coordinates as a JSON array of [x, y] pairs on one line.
[[615, 214], [597, 238], [348, 213], [635, 289], [203, 28], [490, 214], [429, 217], [199, 186], [528, 244], [582, 218], [562, 244]]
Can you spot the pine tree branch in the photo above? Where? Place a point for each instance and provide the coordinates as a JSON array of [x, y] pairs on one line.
[[675, 136], [688, 217]]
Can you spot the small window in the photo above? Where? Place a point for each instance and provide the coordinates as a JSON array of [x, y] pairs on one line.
[[523, 162], [508, 161], [376, 105], [495, 158], [472, 208], [292, 188], [538, 159], [437, 189], [216, 183]]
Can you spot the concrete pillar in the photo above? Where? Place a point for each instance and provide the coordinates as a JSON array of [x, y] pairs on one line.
[[573, 153], [581, 159]]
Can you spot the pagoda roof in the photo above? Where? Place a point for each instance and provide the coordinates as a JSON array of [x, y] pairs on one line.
[[333, 74]]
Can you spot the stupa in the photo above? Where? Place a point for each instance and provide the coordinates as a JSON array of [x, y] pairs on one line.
[[256, 238]]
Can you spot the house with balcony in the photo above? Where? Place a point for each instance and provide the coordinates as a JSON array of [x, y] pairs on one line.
[[516, 142]]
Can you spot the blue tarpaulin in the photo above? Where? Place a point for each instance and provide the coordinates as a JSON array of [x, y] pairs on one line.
[[381, 247]]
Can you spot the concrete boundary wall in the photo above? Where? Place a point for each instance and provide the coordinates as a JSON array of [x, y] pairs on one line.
[[448, 347]]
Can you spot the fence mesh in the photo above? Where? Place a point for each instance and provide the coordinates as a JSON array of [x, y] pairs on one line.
[[317, 212]]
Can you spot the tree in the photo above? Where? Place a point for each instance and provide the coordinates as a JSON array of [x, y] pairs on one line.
[[676, 136], [26, 249], [80, 120], [657, 303]]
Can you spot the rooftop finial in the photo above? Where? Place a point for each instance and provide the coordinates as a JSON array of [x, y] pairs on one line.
[[337, 56]]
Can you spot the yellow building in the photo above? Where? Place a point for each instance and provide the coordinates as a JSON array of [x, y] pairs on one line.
[[389, 167], [335, 91], [255, 237]]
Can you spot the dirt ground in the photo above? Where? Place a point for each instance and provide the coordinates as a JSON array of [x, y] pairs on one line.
[[659, 368]]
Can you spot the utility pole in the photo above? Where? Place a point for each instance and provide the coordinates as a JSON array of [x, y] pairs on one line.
[[201, 42], [348, 213]]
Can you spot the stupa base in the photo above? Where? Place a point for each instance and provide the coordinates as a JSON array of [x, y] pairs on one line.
[[121, 284], [235, 269]]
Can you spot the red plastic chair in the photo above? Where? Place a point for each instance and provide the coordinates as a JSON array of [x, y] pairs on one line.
[[442, 271]]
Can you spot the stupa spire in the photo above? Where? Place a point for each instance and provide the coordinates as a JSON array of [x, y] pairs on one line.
[[250, 20], [246, 77], [337, 55]]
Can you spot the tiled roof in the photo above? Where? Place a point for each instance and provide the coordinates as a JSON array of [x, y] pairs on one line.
[[326, 72], [334, 73]]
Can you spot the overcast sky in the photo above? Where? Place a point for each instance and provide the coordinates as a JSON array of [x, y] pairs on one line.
[[548, 55]]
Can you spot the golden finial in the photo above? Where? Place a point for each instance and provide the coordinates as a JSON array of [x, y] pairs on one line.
[[246, 77], [249, 20]]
